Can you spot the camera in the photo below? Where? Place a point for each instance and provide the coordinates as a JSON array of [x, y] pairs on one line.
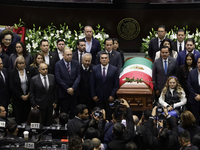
[[98, 113], [159, 112], [116, 104]]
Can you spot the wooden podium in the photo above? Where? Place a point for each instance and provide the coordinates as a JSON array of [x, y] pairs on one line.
[[138, 95]]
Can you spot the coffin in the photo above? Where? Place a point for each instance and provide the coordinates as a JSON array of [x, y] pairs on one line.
[[138, 95], [136, 83]]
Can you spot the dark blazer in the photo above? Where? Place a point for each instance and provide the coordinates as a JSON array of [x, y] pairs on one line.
[[4, 89], [15, 83], [75, 56], [153, 48], [183, 77], [96, 47], [12, 58], [159, 76], [5, 59], [74, 126], [115, 60], [193, 86], [104, 89], [52, 62], [119, 143], [174, 46], [122, 55], [157, 144], [55, 53], [39, 95], [181, 57], [64, 80], [9, 50]]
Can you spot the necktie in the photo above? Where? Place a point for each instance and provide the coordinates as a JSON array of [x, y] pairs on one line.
[[104, 73], [109, 55], [80, 57], [86, 69], [165, 67], [45, 83], [68, 68], [180, 48], [160, 43]]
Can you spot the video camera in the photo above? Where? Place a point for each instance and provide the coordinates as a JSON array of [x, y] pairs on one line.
[[159, 113], [98, 113], [116, 104]]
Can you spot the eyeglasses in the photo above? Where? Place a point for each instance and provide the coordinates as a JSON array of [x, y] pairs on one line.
[[7, 39]]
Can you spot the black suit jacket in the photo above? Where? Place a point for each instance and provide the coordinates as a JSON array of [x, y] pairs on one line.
[[96, 47], [157, 144], [159, 76], [55, 53], [15, 83], [4, 89], [5, 59], [52, 61], [75, 56], [174, 46], [39, 95], [153, 48], [115, 60]]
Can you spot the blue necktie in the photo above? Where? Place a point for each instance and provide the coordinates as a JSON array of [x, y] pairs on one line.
[[165, 67], [104, 73]]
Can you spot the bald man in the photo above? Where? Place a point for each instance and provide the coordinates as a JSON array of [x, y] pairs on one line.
[[67, 75]]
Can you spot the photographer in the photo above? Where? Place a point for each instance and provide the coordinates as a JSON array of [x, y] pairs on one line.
[[140, 137], [123, 134], [165, 140], [117, 116]]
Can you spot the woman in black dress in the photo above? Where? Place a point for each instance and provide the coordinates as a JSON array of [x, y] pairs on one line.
[[19, 85]]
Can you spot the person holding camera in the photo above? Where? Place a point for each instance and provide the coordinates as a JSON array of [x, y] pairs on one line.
[[173, 95], [165, 139], [123, 134]]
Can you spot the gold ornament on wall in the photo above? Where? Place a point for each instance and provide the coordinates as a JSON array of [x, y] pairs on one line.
[[128, 28]]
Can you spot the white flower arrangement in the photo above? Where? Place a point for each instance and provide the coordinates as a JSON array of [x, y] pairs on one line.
[[52, 34], [171, 35]]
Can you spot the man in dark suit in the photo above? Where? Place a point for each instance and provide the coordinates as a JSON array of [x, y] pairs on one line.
[[194, 89], [84, 86], [77, 55], [92, 45], [104, 83], [154, 44], [43, 94], [114, 56], [2, 114], [190, 45], [58, 53], [163, 67], [50, 58], [179, 45], [4, 87], [67, 75], [4, 57], [75, 125]]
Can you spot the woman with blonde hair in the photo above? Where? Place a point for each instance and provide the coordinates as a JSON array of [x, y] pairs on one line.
[[173, 95], [19, 84]]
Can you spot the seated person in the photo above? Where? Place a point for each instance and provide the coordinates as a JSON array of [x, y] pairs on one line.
[[173, 95], [63, 119], [12, 131], [34, 116]]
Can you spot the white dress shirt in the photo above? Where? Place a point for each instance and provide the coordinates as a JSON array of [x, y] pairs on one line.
[[106, 69], [47, 79], [182, 45], [60, 54], [47, 59], [88, 46]]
